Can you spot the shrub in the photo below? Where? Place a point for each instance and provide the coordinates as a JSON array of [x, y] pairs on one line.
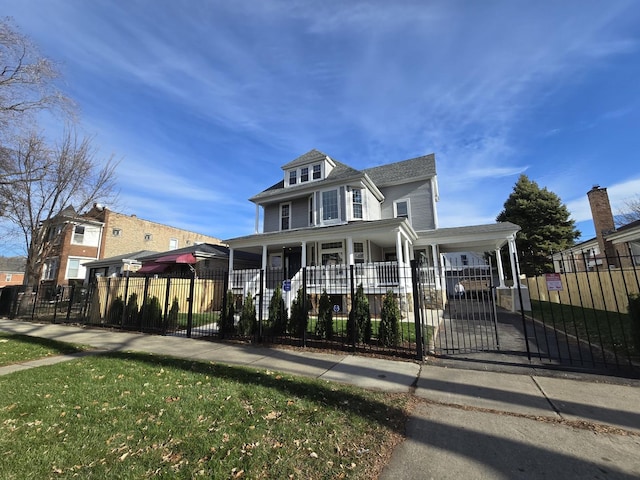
[[277, 313], [359, 323], [132, 314], [151, 313], [248, 322], [172, 317], [116, 309], [324, 326], [299, 314], [227, 317], [389, 321]]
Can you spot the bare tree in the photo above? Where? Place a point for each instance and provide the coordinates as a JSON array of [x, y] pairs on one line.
[[27, 79], [45, 181], [629, 212]]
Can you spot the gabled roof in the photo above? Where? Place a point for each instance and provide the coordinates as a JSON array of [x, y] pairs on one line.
[[13, 264], [415, 168], [418, 168]]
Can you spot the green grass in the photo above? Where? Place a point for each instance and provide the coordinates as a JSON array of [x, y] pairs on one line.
[[199, 319], [139, 416], [22, 348], [611, 328]]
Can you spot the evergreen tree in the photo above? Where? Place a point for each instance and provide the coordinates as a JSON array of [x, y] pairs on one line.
[[227, 316], [359, 323], [132, 314], [248, 323], [389, 321], [277, 312], [545, 225], [299, 315], [324, 326], [172, 317]]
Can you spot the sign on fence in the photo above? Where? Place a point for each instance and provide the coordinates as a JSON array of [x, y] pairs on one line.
[[554, 282], [286, 285]]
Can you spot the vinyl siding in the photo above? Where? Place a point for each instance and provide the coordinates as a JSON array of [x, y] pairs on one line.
[[419, 195]]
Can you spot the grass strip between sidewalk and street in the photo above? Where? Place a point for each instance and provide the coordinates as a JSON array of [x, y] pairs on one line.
[[130, 415]]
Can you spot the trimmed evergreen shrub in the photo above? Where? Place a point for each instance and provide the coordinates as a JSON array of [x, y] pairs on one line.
[[132, 314], [152, 313], [172, 317], [299, 315], [359, 323], [277, 313], [116, 309], [324, 325], [248, 323], [227, 316], [388, 333]]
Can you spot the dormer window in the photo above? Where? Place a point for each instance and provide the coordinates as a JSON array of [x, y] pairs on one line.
[[304, 174], [292, 177], [317, 171]]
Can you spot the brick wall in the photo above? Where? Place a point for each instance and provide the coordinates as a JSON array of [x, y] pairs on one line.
[[128, 233]]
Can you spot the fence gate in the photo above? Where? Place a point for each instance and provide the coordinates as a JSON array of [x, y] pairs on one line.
[[466, 320]]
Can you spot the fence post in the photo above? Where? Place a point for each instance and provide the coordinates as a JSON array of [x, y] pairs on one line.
[[192, 286], [305, 307], [166, 306], [260, 305], [144, 306], [71, 297], [125, 301], [106, 300], [524, 320], [35, 300], [223, 313], [352, 324], [417, 310]]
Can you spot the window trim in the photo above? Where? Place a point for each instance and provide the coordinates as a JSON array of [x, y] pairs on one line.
[[77, 270], [395, 208], [288, 217], [77, 238], [304, 174], [293, 175], [330, 221], [316, 175]]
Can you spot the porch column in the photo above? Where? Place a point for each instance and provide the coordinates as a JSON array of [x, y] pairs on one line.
[[264, 257], [230, 268], [257, 227], [350, 259], [399, 255], [513, 254], [436, 266], [407, 252], [303, 260], [500, 268]]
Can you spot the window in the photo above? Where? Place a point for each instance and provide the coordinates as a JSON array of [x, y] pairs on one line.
[[330, 205], [304, 174], [292, 177], [7, 277], [116, 232], [73, 267], [173, 243], [78, 234], [285, 216], [402, 209], [358, 252], [356, 193], [147, 237], [317, 171], [465, 260], [50, 269]]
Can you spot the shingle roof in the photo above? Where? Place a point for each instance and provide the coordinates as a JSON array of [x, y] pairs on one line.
[[414, 168], [12, 264]]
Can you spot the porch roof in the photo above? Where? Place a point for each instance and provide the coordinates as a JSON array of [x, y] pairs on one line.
[[475, 238], [382, 232]]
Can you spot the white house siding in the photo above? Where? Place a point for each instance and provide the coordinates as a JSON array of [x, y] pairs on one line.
[[419, 195]]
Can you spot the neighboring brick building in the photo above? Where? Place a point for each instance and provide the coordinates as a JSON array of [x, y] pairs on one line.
[[12, 271], [100, 233]]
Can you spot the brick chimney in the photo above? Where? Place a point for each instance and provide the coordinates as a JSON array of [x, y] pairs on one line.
[[602, 221]]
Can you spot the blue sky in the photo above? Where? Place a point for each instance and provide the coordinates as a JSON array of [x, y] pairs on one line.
[[204, 100]]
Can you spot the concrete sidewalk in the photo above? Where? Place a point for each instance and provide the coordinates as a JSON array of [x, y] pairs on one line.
[[468, 424]]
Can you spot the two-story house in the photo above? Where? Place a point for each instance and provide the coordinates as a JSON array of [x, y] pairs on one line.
[[325, 214], [76, 239]]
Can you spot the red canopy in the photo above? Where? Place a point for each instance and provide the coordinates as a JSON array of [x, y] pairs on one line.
[[153, 268], [177, 258]]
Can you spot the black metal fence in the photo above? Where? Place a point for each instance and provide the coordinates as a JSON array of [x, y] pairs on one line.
[[588, 315], [364, 307]]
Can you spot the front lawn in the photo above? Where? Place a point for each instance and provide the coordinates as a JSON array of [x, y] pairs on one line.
[[139, 416], [22, 348]]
